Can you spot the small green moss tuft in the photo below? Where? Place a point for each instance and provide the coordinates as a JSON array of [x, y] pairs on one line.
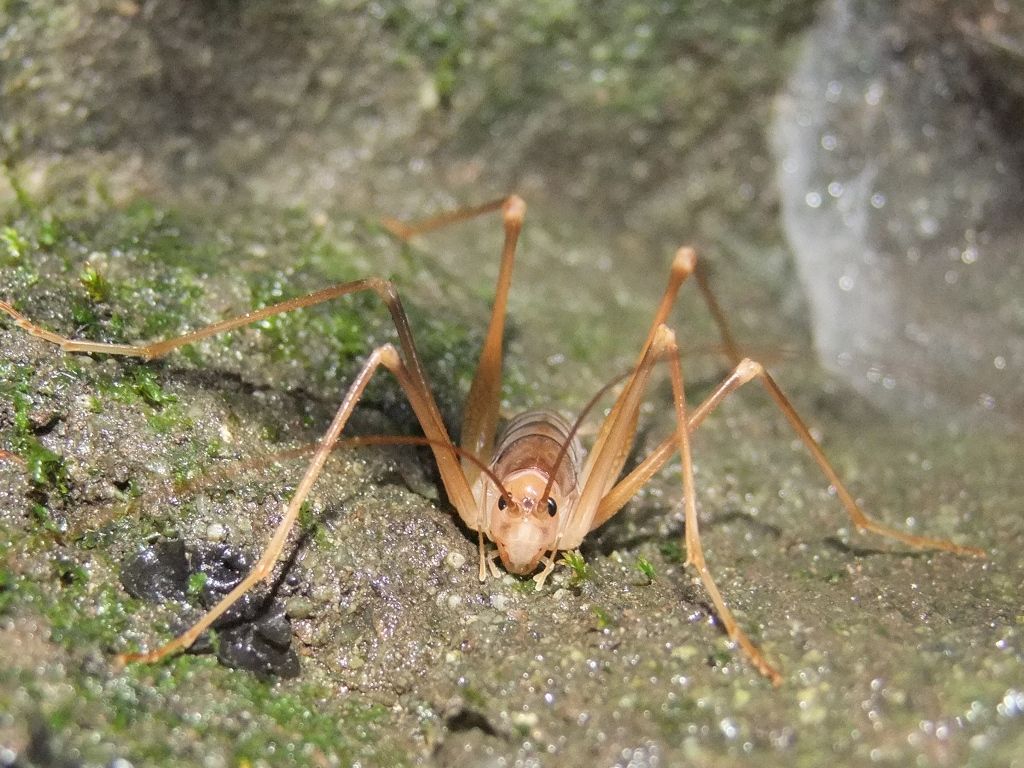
[[95, 283], [15, 246], [580, 570], [646, 569], [602, 619], [196, 582], [69, 572], [45, 468], [145, 384], [41, 514]]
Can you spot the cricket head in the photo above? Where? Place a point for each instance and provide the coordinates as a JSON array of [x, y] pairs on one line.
[[523, 525]]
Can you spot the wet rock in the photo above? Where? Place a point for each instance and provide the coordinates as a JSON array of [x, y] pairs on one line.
[[900, 182]]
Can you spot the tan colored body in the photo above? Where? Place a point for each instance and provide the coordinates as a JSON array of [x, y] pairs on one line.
[[531, 490]]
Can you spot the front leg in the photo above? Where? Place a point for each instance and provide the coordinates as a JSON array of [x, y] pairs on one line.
[[385, 356], [491, 557], [549, 567], [486, 558]]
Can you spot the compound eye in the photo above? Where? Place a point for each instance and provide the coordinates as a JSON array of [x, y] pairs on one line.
[[552, 507], [502, 503]]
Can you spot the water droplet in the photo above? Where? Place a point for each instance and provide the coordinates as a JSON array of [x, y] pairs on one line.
[[874, 94]]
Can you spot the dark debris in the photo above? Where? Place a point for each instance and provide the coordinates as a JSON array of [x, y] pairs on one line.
[[254, 634]]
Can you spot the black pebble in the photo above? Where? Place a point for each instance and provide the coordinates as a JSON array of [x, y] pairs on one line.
[[158, 573], [254, 634]]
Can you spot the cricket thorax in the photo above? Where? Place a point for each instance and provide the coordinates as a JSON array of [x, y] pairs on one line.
[[524, 523]]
